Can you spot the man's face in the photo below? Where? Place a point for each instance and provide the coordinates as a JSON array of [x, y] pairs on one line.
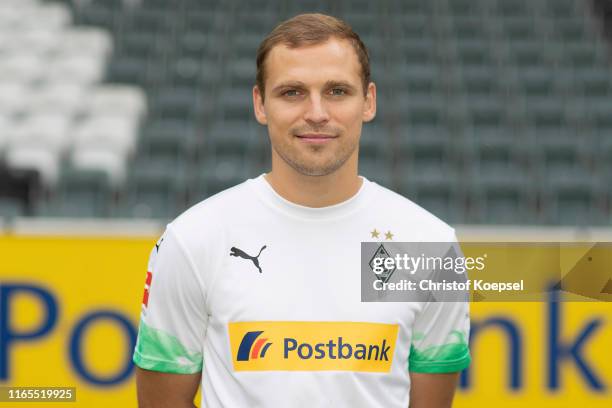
[[315, 105]]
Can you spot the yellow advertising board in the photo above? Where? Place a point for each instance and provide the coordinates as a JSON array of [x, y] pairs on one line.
[[70, 309], [90, 290]]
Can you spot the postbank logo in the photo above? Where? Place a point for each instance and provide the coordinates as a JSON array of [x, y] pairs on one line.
[[312, 346], [247, 351]]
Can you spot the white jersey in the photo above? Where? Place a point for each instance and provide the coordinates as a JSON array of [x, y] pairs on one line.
[[263, 296]]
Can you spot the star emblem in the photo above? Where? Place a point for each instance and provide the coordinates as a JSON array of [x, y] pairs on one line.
[[388, 235], [374, 233]]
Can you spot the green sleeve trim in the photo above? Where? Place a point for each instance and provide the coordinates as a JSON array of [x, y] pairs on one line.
[[435, 367], [157, 350], [445, 358]]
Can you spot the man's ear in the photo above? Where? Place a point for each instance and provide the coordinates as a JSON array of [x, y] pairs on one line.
[[258, 106], [369, 108]]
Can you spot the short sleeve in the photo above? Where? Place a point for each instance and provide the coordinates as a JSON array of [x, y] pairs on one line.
[[440, 337], [173, 318]]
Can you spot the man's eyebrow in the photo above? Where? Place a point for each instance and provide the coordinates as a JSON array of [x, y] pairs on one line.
[[300, 84], [288, 84], [344, 84]]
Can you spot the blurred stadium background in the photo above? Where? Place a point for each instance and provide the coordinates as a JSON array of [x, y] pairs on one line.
[[116, 115], [490, 111]]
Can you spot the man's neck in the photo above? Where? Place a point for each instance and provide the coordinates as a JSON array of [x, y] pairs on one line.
[[316, 191]]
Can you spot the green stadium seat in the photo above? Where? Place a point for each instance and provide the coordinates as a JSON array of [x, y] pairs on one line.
[[582, 55], [482, 80], [138, 44], [412, 27], [182, 104], [546, 112], [465, 8], [485, 111], [470, 27], [240, 72], [184, 5], [97, 16], [374, 144], [155, 190], [494, 150], [257, 20], [604, 147], [439, 192], [235, 104], [202, 21], [377, 170], [573, 199], [199, 45], [418, 110], [601, 118], [259, 148], [477, 52], [377, 48], [81, 194], [527, 54], [230, 137], [365, 6], [307, 6], [242, 48], [10, 208], [414, 78], [153, 20], [593, 82], [520, 29], [219, 173], [169, 143], [411, 7], [190, 72], [536, 81], [571, 30], [412, 50], [501, 198], [561, 8], [425, 148], [128, 70], [560, 156], [513, 8], [109, 4], [366, 24]]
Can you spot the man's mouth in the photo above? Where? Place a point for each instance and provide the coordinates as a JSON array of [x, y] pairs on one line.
[[315, 137]]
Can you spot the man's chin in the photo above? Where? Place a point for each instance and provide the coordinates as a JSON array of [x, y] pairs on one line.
[[315, 163], [316, 170]]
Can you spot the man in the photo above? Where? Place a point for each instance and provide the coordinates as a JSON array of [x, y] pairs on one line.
[[255, 292]]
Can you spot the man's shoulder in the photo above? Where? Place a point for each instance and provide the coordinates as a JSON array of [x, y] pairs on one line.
[[406, 211], [213, 211]]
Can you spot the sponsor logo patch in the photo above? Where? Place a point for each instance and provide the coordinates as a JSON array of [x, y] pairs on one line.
[[312, 346]]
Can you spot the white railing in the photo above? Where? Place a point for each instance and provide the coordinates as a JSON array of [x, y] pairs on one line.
[[153, 228]]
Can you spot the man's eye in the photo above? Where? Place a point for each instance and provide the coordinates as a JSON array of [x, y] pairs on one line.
[[338, 91], [291, 92]]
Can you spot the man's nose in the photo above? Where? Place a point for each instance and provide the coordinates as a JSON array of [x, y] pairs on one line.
[[316, 112]]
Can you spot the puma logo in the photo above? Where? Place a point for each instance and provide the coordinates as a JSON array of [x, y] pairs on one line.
[[239, 252]]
